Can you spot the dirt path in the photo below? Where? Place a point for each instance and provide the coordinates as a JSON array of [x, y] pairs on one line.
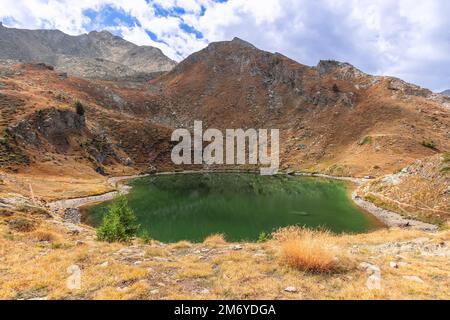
[[82, 201]]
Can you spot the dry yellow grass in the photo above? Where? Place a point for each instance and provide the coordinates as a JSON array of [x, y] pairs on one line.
[[75, 180], [44, 235], [138, 290], [155, 252], [124, 271], [307, 256], [307, 250], [215, 240], [191, 268], [181, 245]]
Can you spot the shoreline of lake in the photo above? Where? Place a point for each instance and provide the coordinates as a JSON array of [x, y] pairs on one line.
[[389, 218]]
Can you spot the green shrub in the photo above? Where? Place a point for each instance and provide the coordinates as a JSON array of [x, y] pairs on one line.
[[263, 237], [119, 224], [429, 143], [145, 238], [4, 141], [79, 108]]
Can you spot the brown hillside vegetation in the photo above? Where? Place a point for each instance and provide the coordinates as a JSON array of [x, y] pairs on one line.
[[421, 190], [333, 118]]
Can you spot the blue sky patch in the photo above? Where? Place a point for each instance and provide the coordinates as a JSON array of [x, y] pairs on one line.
[[192, 30], [110, 16]]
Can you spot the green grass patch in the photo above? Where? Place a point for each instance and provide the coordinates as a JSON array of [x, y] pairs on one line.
[[365, 140], [446, 157], [428, 143]]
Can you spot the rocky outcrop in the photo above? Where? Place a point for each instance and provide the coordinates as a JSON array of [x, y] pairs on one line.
[[49, 127], [395, 84], [343, 70], [63, 131], [72, 215]]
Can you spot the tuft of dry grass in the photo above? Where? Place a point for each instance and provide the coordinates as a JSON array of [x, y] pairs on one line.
[[155, 252], [181, 245], [192, 269], [43, 235], [215, 240], [307, 250]]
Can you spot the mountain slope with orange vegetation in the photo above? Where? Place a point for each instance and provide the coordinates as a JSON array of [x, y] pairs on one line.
[[333, 118]]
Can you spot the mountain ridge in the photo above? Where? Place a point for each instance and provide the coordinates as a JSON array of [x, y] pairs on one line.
[[92, 55], [333, 118]]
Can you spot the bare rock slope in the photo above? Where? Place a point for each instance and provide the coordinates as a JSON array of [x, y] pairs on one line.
[[94, 55], [446, 93]]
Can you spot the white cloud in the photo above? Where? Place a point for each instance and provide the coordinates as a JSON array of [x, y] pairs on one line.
[[405, 38]]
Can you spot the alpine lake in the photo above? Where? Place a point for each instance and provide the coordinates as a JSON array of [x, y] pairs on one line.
[[241, 206]]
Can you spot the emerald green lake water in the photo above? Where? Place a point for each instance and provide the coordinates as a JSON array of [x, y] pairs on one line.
[[192, 206]]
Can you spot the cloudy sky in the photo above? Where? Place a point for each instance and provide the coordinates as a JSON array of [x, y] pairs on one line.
[[409, 39]]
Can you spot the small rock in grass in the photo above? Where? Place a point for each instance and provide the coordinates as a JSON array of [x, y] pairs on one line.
[[413, 278], [368, 267], [204, 291], [104, 264], [122, 289], [160, 259], [374, 280], [393, 264], [291, 289]]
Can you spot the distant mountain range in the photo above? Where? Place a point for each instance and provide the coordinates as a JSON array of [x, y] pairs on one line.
[[94, 55], [446, 92]]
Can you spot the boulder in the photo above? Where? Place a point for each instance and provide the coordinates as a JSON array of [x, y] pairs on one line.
[[72, 215]]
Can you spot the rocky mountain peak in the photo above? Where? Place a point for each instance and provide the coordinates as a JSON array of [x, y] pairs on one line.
[[101, 33], [235, 45], [239, 41], [98, 54], [446, 93]]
